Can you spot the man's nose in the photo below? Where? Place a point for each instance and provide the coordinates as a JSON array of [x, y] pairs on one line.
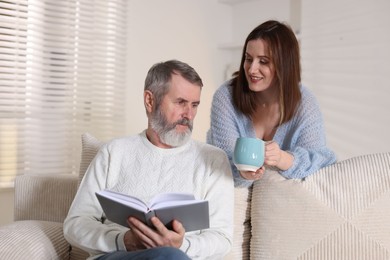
[[189, 112]]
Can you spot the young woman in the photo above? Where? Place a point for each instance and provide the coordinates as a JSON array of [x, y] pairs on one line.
[[266, 100]]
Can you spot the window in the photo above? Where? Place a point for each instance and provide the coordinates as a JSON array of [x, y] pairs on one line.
[[62, 73]]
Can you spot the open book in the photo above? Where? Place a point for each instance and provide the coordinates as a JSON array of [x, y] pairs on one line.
[[192, 213]]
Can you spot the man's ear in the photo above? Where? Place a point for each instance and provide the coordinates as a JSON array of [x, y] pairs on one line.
[[148, 101]]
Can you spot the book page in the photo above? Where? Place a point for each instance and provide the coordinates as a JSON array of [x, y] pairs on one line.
[[159, 201], [125, 199], [171, 199]]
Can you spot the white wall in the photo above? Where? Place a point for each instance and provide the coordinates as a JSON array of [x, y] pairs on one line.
[[246, 15]]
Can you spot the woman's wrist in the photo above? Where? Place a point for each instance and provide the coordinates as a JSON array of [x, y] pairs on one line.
[[286, 161]]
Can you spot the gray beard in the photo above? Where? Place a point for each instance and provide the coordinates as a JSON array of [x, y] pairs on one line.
[[167, 132]]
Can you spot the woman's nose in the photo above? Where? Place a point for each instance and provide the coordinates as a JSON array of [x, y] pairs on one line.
[[253, 67]]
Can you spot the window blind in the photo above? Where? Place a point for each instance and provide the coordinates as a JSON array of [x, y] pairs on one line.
[[346, 62], [62, 73]]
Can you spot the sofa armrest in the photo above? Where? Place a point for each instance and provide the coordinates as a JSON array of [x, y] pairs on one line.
[[44, 197], [242, 224], [33, 239]]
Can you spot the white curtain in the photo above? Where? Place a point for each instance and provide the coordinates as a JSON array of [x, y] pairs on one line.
[[346, 62], [62, 73]]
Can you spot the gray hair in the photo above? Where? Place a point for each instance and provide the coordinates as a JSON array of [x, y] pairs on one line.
[[159, 77]]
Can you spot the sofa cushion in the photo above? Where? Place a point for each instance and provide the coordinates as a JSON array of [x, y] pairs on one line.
[[340, 212], [90, 145], [40, 240]]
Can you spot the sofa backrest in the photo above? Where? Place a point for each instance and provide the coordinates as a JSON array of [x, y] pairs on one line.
[[44, 197], [340, 212]]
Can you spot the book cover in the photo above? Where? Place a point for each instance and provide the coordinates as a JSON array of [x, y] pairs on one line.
[[192, 213]]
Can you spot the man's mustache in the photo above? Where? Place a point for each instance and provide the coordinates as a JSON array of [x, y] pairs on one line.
[[186, 122]]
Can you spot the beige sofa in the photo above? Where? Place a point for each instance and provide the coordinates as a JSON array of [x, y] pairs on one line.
[[340, 212]]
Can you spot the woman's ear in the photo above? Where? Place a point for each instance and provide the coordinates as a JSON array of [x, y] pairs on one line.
[[148, 101]]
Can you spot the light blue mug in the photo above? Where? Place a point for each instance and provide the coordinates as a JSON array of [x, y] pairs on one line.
[[248, 153]]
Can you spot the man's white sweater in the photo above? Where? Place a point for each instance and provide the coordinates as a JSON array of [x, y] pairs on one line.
[[134, 166]]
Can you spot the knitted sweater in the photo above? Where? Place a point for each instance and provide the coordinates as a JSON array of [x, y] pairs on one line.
[[134, 166], [303, 136]]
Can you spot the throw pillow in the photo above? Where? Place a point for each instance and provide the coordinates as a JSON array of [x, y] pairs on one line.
[[340, 212], [90, 145]]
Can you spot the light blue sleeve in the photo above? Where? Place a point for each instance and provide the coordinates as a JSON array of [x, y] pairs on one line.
[[304, 137], [226, 125]]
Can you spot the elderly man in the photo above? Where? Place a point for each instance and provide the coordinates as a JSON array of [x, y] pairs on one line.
[[163, 158]]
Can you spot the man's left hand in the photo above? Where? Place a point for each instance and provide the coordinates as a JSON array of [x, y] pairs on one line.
[[160, 236]]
